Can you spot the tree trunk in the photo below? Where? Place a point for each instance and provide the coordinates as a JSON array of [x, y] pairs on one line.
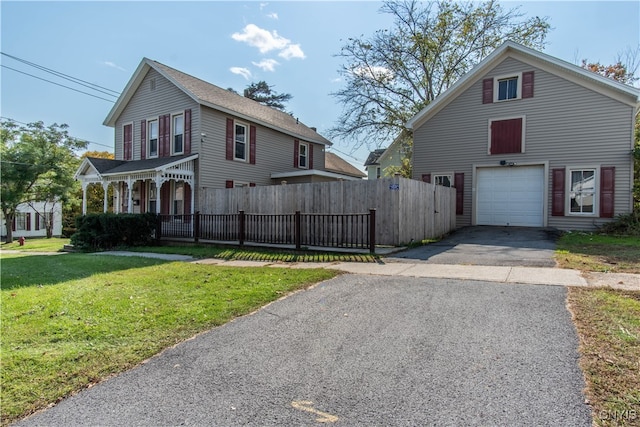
[[8, 219]]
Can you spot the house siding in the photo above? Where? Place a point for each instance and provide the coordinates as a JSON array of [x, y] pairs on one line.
[[145, 104], [274, 153], [562, 129]]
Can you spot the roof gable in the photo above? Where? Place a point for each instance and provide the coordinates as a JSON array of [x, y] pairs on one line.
[[335, 163], [603, 85], [217, 98]]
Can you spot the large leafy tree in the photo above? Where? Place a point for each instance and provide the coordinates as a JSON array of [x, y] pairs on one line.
[[264, 94], [38, 163], [395, 73]]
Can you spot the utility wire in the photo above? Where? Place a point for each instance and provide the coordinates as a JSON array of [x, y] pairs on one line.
[[76, 80], [58, 84], [82, 139]]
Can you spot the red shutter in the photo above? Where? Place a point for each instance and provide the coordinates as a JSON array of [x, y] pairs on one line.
[[252, 184], [296, 150], [165, 196], [143, 196], [487, 91], [252, 145], [229, 184], [28, 221], [143, 139], [506, 136], [161, 136], [557, 191], [426, 177], [187, 199], [187, 131], [164, 125], [13, 223], [310, 155], [527, 84], [37, 221], [126, 155], [229, 139], [458, 182], [607, 190]]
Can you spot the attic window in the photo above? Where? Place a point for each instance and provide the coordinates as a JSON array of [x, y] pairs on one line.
[[152, 84]]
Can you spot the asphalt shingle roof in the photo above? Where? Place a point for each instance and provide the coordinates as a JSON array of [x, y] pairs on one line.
[[334, 163]]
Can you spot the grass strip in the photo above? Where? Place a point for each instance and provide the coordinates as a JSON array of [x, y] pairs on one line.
[[599, 253], [608, 324], [71, 320]]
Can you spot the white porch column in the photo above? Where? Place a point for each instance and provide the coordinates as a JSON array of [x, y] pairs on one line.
[[193, 197], [84, 197], [130, 197], [105, 204], [159, 183], [116, 201]]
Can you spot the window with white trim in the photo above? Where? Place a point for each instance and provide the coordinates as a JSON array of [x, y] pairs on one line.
[[303, 155], [507, 87], [240, 142], [582, 191], [178, 198], [152, 138], [442, 179], [177, 133], [21, 221]]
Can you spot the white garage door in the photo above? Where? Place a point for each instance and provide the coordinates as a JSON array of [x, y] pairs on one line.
[[510, 196]]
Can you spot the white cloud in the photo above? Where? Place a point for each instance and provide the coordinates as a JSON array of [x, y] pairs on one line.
[[241, 71], [113, 65], [272, 15], [267, 64], [266, 41], [292, 51]]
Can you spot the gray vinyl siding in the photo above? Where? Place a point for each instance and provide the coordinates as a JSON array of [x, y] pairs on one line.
[[274, 153], [566, 125], [146, 104]]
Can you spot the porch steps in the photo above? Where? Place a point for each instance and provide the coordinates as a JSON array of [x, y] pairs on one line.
[[69, 248]]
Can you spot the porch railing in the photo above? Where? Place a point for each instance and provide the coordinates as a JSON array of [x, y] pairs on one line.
[[355, 231]]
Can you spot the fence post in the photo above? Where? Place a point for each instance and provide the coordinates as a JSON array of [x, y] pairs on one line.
[[158, 228], [196, 226], [296, 230], [241, 227], [372, 231]]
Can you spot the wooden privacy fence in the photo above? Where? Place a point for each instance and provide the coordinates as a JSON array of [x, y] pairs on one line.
[[298, 229], [406, 209]]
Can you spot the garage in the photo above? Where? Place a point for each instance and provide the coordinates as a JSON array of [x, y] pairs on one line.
[[510, 195]]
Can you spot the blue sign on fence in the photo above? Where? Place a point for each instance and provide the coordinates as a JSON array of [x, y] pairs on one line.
[[394, 186]]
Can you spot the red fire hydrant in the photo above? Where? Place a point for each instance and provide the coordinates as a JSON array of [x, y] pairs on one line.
[[21, 240]]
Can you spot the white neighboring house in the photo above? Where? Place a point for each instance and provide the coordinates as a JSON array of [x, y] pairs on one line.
[[29, 223]]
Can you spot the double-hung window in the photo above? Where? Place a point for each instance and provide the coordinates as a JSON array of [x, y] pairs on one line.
[[303, 154], [152, 136], [21, 221], [178, 134], [508, 88], [442, 179], [582, 187], [240, 140]]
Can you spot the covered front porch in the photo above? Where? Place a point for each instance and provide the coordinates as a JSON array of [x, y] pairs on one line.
[[162, 185]]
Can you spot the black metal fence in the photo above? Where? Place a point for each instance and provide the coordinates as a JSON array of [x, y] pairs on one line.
[[355, 231]]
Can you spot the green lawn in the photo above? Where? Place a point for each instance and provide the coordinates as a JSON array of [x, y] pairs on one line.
[[597, 252], [71, 320], [39, 244]]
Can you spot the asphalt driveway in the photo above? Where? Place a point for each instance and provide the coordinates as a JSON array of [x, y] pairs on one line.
[[361, 350], [488, 245]]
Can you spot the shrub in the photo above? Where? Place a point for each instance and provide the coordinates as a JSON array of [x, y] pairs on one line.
[[628, 225], [108, 230]]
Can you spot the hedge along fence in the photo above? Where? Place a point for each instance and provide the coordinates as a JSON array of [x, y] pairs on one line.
[[108, 230], [406, 209]]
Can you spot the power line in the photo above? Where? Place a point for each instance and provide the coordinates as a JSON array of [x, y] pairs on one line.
[[76, 80], [82, 139], [58, 84]]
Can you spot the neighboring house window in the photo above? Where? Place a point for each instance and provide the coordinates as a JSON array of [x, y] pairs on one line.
[[508, 88], [442, 179], [21, 221], [152, 136], [582, 190], [506, 136], [378, 172], [178, 134], [240, 139], [303, 155]]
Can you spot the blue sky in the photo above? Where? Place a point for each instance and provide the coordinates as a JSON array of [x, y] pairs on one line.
[[291, 45]]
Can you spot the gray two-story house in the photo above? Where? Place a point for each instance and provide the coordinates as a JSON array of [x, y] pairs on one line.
[[176, 135], [530, 140]]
